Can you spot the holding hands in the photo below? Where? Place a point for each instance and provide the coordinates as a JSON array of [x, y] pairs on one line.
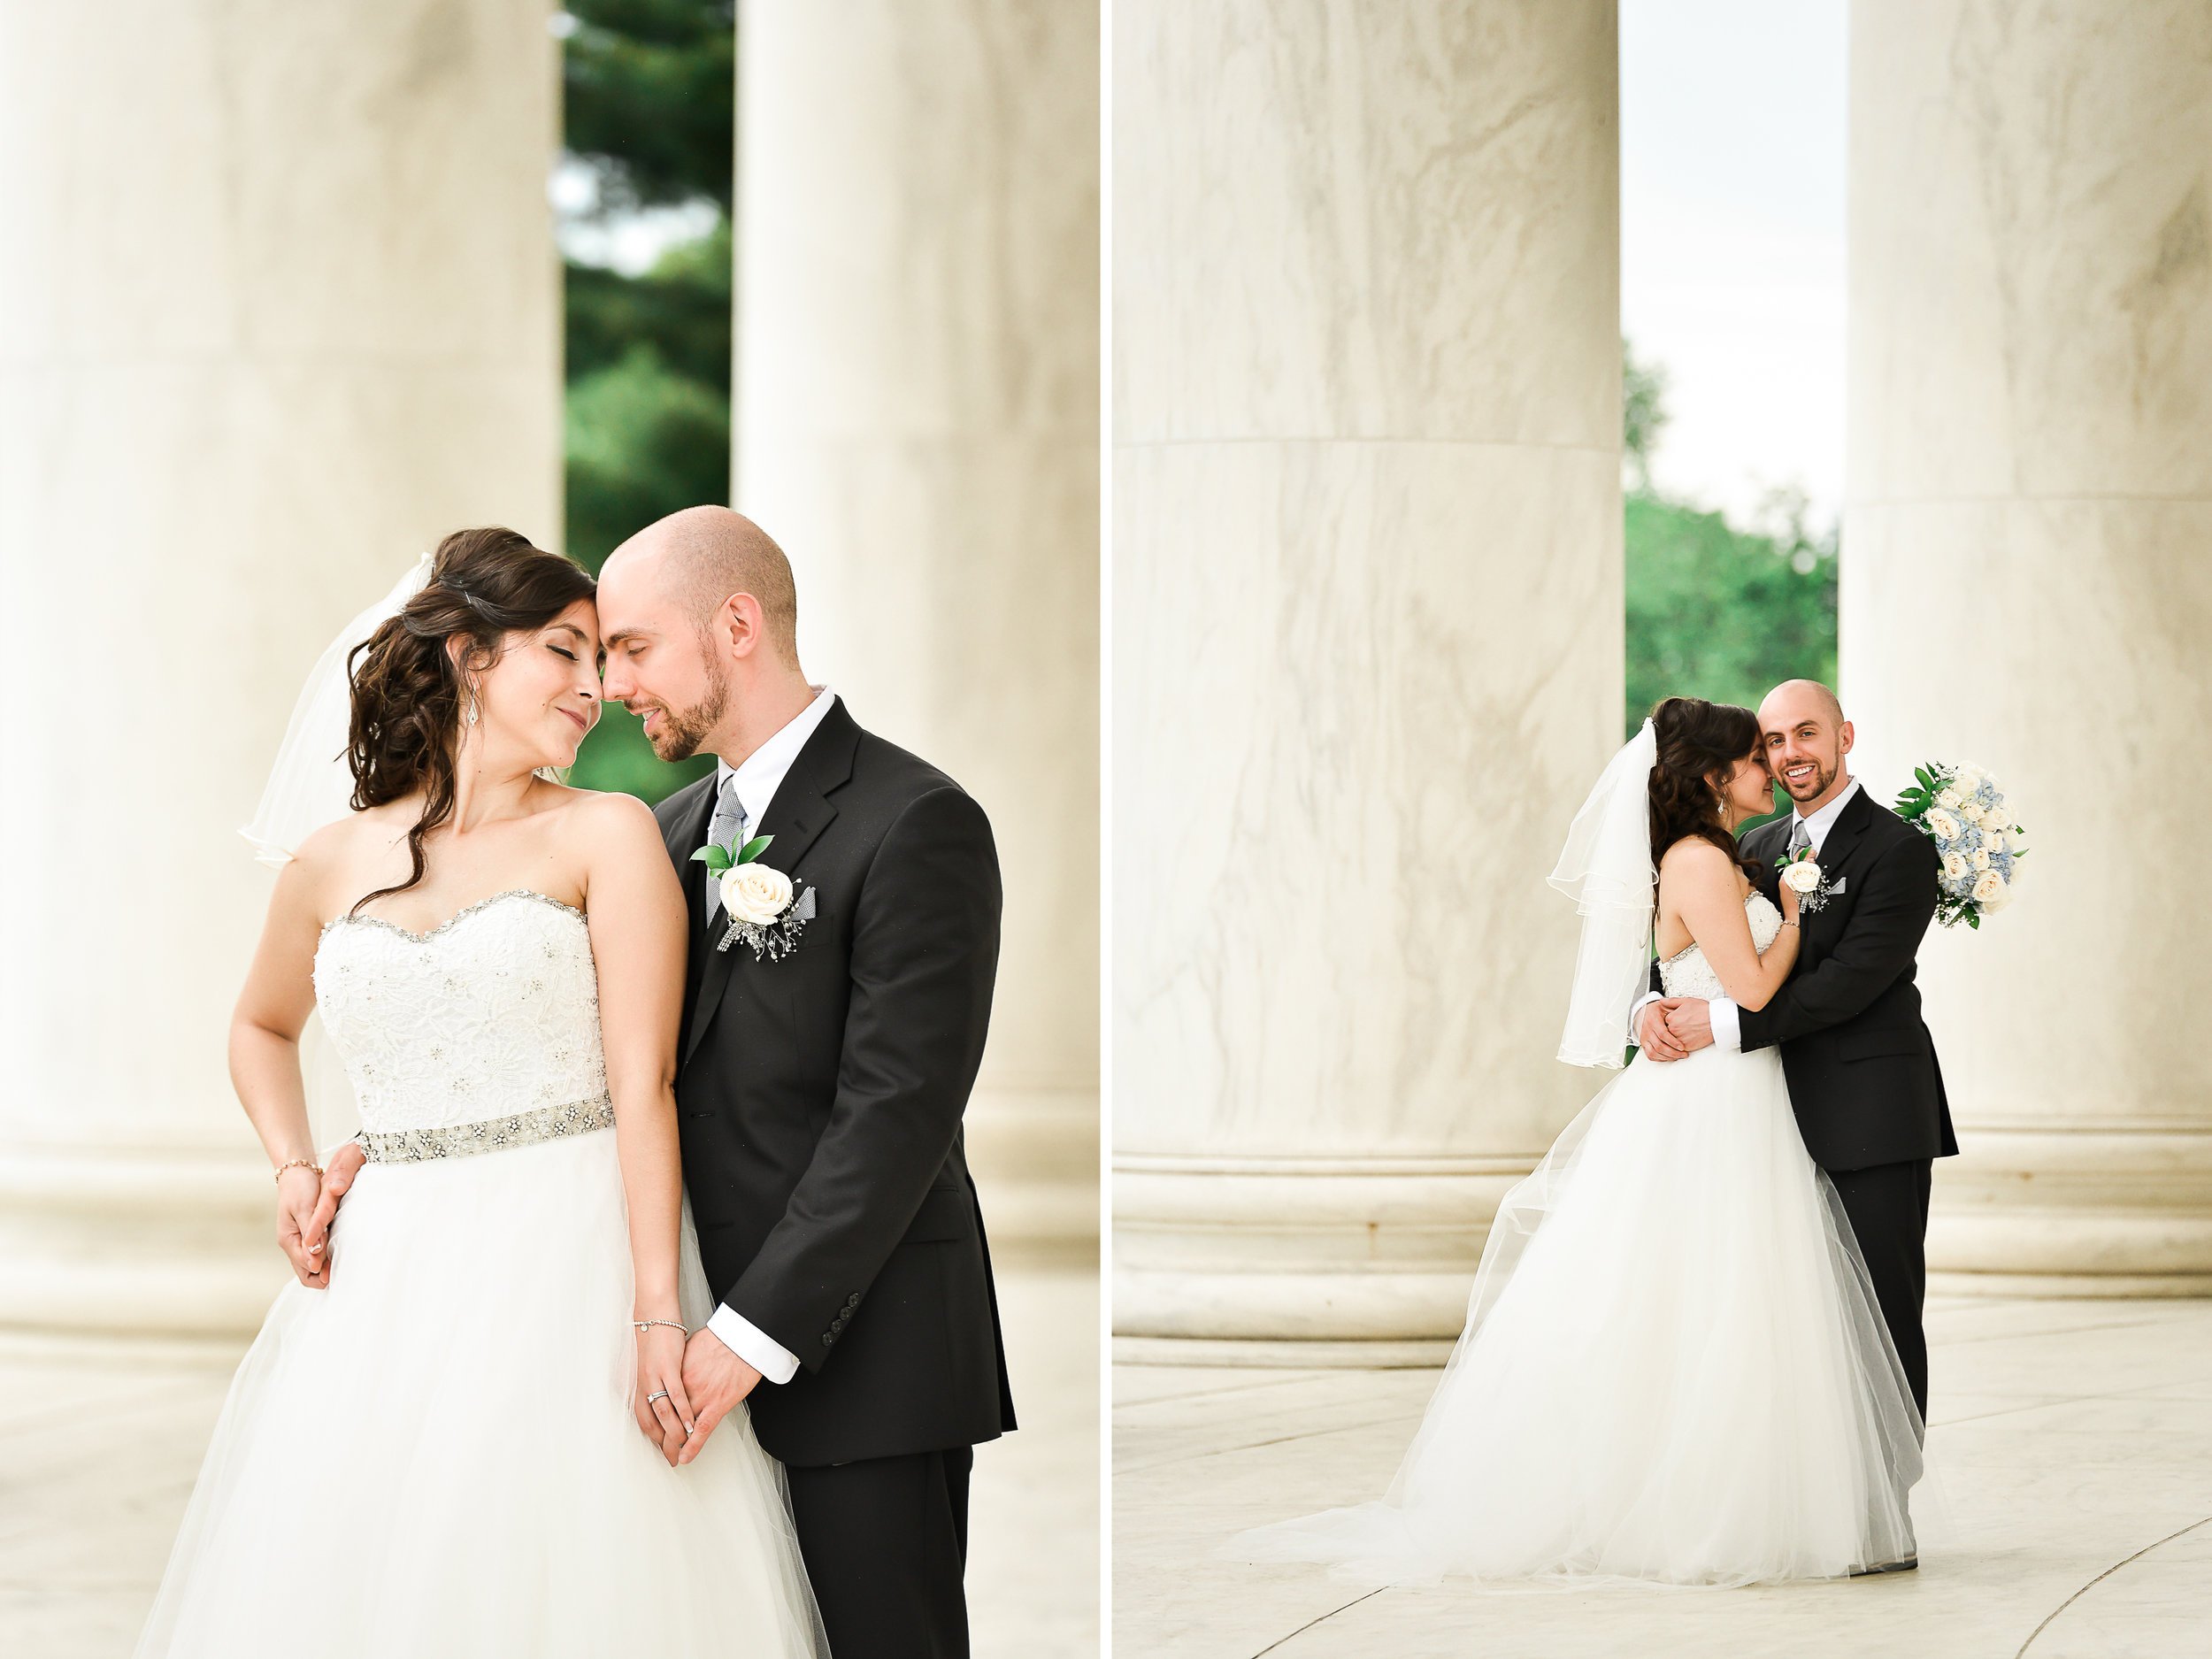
[[719, 1382], [663, 1408]]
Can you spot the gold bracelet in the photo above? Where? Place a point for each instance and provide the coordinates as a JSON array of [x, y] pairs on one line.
[[673, 1325], [298, 1164]]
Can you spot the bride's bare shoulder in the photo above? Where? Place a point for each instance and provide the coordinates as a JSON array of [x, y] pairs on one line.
[[1694, 855], [598, 817]]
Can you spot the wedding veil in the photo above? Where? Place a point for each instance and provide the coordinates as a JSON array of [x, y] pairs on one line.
[[311, 785], [1606, 869]]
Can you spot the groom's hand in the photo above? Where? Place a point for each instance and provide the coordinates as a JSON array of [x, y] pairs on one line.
[[1653, 1035], [716, 1381], [1690, 1023]]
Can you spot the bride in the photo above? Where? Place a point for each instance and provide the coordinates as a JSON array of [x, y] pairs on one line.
[[1674, 1369], [456, 1434]]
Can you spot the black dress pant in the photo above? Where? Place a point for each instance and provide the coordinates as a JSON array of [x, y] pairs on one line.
[[885, 1545], [1888, 1208]]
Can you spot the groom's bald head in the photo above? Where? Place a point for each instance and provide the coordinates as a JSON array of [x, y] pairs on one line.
[[696, 559]]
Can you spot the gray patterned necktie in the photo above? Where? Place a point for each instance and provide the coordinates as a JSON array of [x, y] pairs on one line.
[[1801, 838], [726, 829]]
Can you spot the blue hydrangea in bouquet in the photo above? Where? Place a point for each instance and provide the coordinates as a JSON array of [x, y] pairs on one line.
[[1963, 812]]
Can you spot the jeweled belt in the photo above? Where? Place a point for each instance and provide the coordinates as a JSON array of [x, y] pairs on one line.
[[487, 1134]]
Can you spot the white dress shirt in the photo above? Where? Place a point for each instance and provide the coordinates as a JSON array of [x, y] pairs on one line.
[[1726, 1016], [759, 775]]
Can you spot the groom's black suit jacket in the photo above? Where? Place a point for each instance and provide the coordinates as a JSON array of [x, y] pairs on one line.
[[1861, 1067], [819, 1098]]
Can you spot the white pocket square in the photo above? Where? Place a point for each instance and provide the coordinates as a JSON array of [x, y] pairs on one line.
[[1837, 884]]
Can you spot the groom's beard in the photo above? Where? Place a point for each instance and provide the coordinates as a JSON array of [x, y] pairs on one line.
[[683, 735], [1814, 786]]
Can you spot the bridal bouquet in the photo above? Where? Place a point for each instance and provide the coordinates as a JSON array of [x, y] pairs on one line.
[[1963, 812]]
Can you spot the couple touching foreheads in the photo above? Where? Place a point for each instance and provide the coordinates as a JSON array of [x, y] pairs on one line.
[[517, 1402]]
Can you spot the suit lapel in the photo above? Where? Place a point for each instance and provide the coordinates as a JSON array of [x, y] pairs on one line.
[[796, 815], [686, 833], [1843, 834]]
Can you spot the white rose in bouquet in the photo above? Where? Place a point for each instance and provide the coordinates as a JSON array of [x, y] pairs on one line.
[[1954, 865], [756, 894], [1970, 812], [1949, 797], [1988, 888], [1979, 858], [1946, 828], [2015, 841]]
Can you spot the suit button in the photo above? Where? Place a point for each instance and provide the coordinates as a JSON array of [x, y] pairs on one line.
[[828, 1336]]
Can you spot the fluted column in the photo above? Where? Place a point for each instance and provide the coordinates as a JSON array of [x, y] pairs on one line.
[[2026, 584], [917, 423], [1367, 644], [278, 306]]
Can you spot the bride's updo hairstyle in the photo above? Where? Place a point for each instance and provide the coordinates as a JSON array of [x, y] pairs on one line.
[[1696, 740], [408, 695]]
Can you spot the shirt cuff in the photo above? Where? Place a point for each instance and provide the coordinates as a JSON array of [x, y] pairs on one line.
[[775, 1363], [1727, 1028]]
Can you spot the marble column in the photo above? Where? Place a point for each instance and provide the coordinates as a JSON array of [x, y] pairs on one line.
[[279, 306], [915, 420], [2026, 584], [1367, 646]]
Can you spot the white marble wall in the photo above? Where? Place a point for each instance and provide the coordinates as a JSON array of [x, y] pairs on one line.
[[279, 305], [1368, 640], [917, 422], [2025, 583]]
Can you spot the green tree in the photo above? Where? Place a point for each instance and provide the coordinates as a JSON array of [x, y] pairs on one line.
[[1716, 610], [649, 113]]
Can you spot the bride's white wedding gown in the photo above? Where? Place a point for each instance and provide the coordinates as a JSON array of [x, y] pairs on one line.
[[1674, 1370], [436, 1455]]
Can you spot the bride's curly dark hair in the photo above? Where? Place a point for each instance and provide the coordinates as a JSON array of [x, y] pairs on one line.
[[407, 691], [1696, 740]]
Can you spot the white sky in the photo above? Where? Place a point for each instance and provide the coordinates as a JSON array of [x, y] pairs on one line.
[[1732, 240]]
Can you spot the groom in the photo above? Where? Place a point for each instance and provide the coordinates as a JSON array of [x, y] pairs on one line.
[[819, 1092], [1861, 1067]]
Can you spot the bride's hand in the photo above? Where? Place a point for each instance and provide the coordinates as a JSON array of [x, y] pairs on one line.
[[666, 1420], [1788, 901], [299, 1189]]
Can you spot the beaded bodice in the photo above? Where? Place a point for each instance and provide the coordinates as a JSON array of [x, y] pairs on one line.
[[1687, 973], [493, 1014]]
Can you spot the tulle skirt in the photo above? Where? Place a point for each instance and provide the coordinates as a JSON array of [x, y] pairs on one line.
[[1674, 1370], [437, 1455]]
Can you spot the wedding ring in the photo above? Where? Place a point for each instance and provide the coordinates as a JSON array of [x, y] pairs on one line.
[[658, 1394]]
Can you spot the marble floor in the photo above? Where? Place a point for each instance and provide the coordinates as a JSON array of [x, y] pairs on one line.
[[98, 1446], [2074, 1440]]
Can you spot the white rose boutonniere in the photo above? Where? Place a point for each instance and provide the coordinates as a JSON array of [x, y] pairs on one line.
[[1804, 877], [763, 915], [756, 894]]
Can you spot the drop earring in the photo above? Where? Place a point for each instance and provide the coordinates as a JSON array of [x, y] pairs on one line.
[[471, 716]]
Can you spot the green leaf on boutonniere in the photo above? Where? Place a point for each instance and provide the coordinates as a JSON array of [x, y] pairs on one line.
[[717, 859], [753, 849]]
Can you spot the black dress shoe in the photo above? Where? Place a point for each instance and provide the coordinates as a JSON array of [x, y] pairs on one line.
[[1905, 1563]]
